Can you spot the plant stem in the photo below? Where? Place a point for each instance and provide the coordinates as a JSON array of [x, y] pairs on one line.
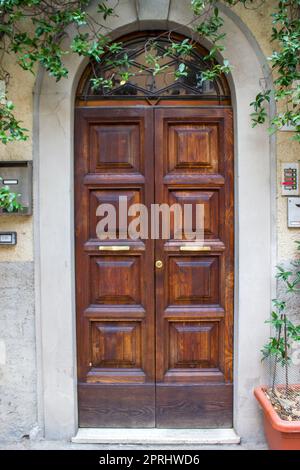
[[275, 365], [286, 356]]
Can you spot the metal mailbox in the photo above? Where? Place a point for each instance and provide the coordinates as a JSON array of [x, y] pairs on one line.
[[294, 212], [18, 176]]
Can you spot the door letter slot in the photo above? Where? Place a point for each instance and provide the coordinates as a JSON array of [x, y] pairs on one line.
[[194, 248], [114, 248]]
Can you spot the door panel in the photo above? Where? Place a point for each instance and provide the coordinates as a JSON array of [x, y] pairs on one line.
[[115, 146], [210, 200], [115, 290], [193, 280], [192, 146], [194, 290], [154, 344]]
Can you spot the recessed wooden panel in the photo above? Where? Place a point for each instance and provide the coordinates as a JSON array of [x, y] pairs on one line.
[[116, 405], [209, 199], [115, 280], [116, 344], [193, 147], [115, 146], [194, 280], [193, 344], [194, 406], [111, 196]]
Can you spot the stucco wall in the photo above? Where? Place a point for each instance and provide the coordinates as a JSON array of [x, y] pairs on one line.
[[18, 398], [17, 346], [17, 373], [258, 21], [21, 93]]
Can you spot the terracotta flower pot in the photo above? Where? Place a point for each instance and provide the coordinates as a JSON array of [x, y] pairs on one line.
[[280, 434]]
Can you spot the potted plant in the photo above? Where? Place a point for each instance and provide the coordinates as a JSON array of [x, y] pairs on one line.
[[9, 201], [280, 400]]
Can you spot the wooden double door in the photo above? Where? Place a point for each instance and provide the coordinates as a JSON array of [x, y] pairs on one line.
[[154, 342]]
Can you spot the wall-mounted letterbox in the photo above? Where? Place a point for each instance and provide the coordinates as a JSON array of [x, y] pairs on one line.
[[294, 212], [18, 176]]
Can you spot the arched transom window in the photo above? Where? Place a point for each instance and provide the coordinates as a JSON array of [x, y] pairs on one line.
[[176, 76]]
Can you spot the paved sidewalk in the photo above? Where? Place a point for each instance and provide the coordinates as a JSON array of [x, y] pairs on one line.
[[27, 444]]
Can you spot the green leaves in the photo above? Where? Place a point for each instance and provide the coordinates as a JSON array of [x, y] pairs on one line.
[[42, 44], [106, 83], [153, 61], [275, 348], [290, 279], [286, 332], [215, 71], [80, 44], [10, 128], [260, 114], [95, 49], [285, 63], [180, 48], [209, 28], [181, 71], [105, 10], [198, 6], [279, 304]]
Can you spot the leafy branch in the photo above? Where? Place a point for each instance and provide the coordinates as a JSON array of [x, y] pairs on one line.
[[286, 332], [34, 31], [10, 128], [285, 63]]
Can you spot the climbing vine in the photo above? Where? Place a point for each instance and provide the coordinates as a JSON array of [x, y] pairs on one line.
[[36, 32], [285, 63]]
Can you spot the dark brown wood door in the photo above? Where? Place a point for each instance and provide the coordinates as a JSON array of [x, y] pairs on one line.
[[194, 290], [115, 290], [154, 344]]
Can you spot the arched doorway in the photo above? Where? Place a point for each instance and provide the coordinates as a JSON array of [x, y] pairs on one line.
[[154, 317]]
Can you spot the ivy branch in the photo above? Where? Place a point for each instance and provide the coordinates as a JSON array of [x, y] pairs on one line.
[[35, 32], [287, 333], [285, 63]]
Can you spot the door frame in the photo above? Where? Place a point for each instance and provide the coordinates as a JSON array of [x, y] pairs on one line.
[[157, 392], [54, 241]]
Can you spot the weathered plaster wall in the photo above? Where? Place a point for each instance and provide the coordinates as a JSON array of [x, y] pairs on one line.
[[20, 92], [17, 351], [288, 151], [18, 398], [259, 22]]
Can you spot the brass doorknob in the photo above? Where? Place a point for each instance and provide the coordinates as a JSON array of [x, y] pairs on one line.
[[159, 264]]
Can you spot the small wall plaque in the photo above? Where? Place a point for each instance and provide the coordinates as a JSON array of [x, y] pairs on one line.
[[8, 238], [10, 182]]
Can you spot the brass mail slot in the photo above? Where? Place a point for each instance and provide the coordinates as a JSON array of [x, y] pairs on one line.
[[114, 248], [194, 248]]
